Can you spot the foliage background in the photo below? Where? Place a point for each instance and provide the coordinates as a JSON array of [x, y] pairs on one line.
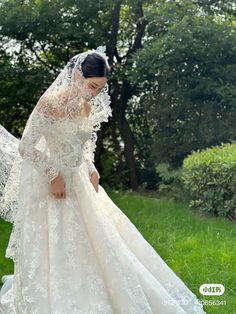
[[172, 90], [173, 75]]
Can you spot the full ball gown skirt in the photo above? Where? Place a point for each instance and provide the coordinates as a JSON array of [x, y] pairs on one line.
[[83, 255]]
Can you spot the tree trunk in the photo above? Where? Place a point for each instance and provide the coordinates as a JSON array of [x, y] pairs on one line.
[[122, 93]]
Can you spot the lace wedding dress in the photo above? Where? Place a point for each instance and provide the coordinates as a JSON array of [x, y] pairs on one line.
[[80, 254]]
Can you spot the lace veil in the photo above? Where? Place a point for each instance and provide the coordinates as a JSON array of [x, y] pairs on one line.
[[67, 98]]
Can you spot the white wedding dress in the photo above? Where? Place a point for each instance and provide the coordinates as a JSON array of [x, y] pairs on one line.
[[81, 254]]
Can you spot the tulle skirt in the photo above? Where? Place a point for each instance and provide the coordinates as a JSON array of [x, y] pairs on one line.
[[83, 255]]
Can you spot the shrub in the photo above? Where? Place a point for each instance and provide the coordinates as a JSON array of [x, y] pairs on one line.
[[171, 185], [210, 177]]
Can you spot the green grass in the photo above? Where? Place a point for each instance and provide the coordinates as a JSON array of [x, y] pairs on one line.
[[6, 264], [199, 249]]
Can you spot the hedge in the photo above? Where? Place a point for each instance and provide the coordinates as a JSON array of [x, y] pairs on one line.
[[210, 178]]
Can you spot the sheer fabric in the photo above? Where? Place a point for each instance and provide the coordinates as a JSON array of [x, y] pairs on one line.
[[80, 254], [67, 99]]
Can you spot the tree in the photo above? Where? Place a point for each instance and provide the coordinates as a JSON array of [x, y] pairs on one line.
[[188, 73], [173, 70], [49, 33]]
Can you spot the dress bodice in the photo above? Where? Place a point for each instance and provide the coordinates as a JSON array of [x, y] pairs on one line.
[[66, 140], [55, 144]]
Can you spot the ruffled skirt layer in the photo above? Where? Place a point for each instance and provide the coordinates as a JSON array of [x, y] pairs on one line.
[[83, 255]]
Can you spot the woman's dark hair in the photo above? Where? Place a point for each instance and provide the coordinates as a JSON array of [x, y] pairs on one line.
[[95, 65]]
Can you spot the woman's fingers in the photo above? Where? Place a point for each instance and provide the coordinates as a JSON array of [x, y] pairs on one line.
[[58, 187], [61, 194], [95, 184]]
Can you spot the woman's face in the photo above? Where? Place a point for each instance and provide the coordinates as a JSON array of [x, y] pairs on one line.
[[94, 85]]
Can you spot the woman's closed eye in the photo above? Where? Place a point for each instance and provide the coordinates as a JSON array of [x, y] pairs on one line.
[[92, 86]]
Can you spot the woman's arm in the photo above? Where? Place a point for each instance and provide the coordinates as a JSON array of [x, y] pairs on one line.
[[33, 132], [88, 160], [92, 171]]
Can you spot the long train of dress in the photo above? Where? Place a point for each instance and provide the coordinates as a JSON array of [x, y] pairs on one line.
[[83, 255]]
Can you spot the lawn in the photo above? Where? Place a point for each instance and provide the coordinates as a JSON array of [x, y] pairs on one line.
[[6, 264], [199, 249]]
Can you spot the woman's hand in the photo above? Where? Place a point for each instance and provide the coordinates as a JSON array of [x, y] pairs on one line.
[[94, 179], [58, 187]]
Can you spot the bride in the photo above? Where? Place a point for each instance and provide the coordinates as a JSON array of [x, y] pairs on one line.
[[74, 250]]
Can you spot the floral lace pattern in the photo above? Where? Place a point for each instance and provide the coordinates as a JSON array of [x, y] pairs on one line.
[[80, 254], [61, 144], [83, 255], [66, 101]]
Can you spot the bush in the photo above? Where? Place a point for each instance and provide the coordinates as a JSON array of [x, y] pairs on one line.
[[210, 177], [171, 185]]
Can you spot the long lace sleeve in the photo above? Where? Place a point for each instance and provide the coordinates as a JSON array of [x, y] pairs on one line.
[[33, 133], [87, 153]]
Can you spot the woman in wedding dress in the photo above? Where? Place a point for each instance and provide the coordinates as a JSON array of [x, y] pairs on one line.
[[74, 250]]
